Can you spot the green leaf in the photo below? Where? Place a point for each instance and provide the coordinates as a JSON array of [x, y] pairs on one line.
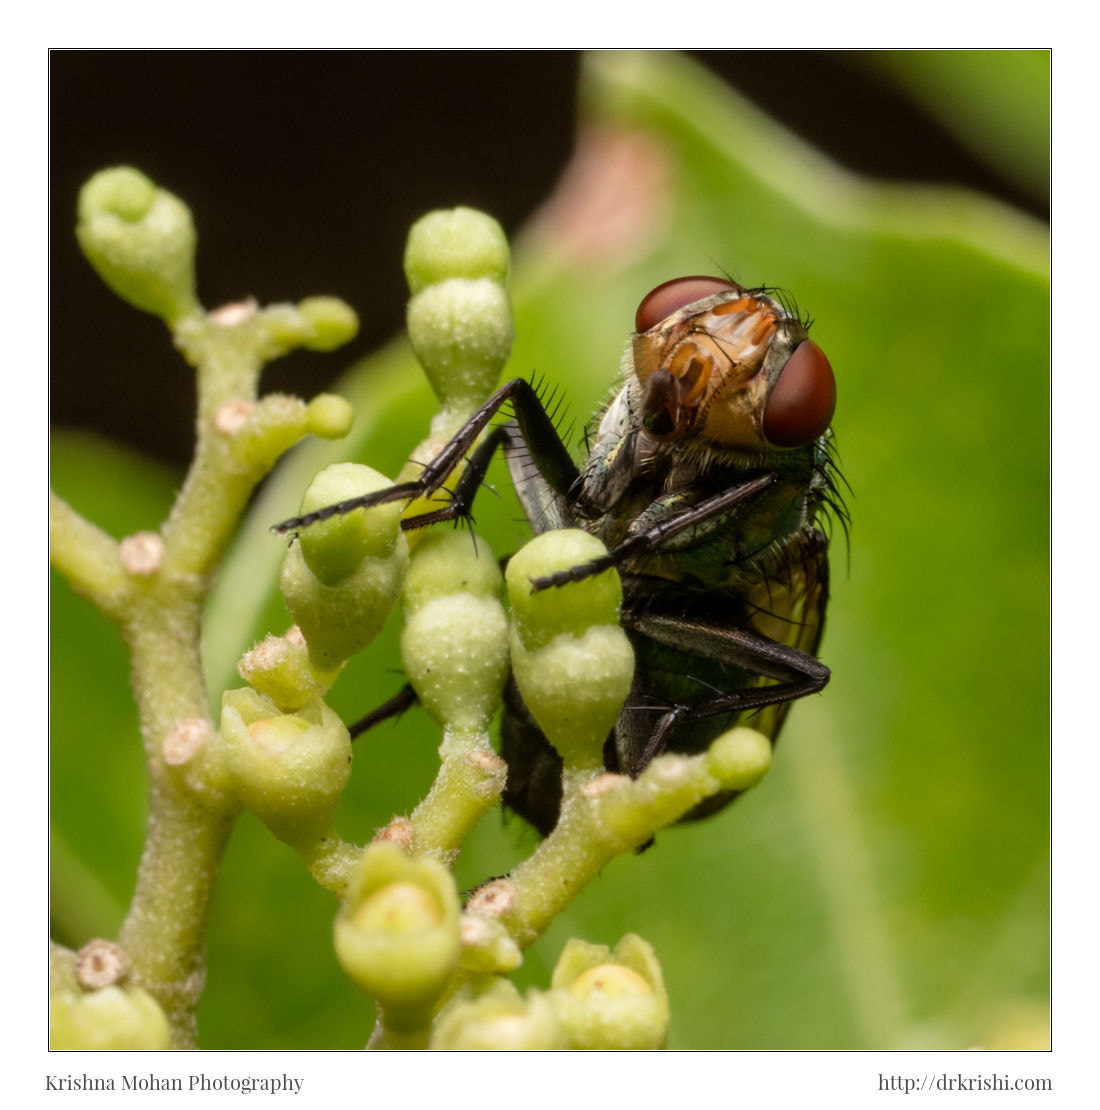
[[887, 884]]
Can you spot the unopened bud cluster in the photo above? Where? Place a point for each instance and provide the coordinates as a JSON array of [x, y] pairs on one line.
[[598, 999]]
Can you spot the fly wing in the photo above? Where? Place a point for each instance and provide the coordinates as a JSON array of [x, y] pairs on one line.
[[789, 607]]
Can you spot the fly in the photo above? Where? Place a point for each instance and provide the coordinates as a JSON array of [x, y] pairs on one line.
[[707, 479]]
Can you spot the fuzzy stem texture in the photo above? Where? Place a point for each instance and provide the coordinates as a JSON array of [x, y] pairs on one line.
[[469, 782], [159, 608]]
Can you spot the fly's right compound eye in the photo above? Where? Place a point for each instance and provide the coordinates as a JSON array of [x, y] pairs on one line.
[[673, 295], [803, 398]]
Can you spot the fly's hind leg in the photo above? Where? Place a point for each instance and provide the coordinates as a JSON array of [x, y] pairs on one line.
[[795, 673]]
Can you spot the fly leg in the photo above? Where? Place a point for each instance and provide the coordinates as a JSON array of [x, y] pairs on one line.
[[405, 698], [538, 433], [795, 673], [654, 535]]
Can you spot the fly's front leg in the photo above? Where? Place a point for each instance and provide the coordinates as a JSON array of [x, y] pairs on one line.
[[537, 429], [649, 535], [795, 673]]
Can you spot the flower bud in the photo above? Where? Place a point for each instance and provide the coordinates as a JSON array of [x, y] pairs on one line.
[[571, 660], [114, 1017], [397, 934], [455, 654], [575, 688], [448, 561], [281, 670], [334, 548], [329, 416], [454, 644], [606, 999], [542, 615], [317, 323], [487, 946], [342, 592], [140, 240], [333, 322], [461, 332], [739, 758], [460, 242], [290, 770], [499, 1018]]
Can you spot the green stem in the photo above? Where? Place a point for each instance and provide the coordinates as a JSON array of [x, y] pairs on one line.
[[385, 1036], [469, 783], [562, 865], [190, 817], [602, 816], [217, 486], [331, 861], [163, 931], [87, 556], [188, 828]]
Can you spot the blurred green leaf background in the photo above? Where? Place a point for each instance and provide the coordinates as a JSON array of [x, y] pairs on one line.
[[888, 884]]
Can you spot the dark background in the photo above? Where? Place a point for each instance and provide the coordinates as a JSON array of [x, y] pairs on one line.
[[305, 170]]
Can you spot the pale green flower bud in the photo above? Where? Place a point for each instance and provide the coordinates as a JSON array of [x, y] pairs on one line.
[[334, 548], [499, 1019], [572, 662], [397, 934], [342, 576], [739, 758], [317, 323], [449, 561], [459, 242], [332, 320], [114, 1017], [455, 654], [575, 687], [487, 946], [613, 1000], [540, 616], [280, 668], [140, 240], [329, 416], [461, 332], [339, 621], [454, 644], [290, 770]]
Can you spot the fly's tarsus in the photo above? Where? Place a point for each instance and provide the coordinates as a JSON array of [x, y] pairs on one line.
[[572, 574], [407, 491]]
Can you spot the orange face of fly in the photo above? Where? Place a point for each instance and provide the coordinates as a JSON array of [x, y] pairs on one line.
[[732, 366]]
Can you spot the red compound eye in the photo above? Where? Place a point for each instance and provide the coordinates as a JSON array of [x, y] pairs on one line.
[[802, 402], [673, 295]]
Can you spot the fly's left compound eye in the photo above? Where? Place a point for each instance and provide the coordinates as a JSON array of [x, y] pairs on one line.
[[803, 400], [674, 295]]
